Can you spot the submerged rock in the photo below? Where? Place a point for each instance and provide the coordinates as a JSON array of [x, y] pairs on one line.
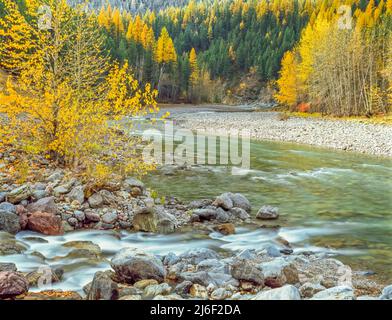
[[133, 265], [11, 246]]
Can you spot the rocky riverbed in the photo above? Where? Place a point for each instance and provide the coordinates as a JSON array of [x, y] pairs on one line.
[[56, 201], [365, 138]]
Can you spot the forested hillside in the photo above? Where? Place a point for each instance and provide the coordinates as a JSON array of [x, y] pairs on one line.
[[231, 50]]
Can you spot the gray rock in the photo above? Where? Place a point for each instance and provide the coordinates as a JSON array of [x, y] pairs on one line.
[[198, 204], [386, 293], [12, 284], [335, 293], [220, 294], [287, 292], [170, 259], [43, 205], [246, 254], [278, 272], [80, 215], [207, 214], [2, 196], [268, 213], [6, 206], [92, 216], [56, 176], [109, 218], [224, 201], [11, 246], [8, 267], [63, 189], [167, 223], [95, 201], [222, 216], [107, 196], [103, 287], [157, 289], [73, 222], [77, 194], [130, 183], [9, 222], [205, 278], [239, 213], [240, 201], [183, 287], [39, 194], [243, 269], [19, 194], [309, 289], [273, 251], [195, 256], [133, 265]]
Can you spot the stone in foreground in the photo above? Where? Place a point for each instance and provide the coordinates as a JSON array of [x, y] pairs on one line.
[[287, 292], [133, 265], [12, 284]]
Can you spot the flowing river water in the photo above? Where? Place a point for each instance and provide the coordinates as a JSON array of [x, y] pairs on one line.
[[334, 202]]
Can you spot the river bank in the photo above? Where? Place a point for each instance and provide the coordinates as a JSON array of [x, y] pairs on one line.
[[367, 138], [57, 225]]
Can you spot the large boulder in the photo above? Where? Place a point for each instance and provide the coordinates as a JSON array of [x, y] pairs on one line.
[[131, 183], [9, 222], [246, 270], [224, 201], [12, 284], [268, 213], [103, 287], [6, 206], [95, 201], [195, 256], [287, 292], [154, 219], [19, 194], [46, 223], [43, 205], [133, 265], [335, 293], [240, 201], [77, 194], [278, 272]]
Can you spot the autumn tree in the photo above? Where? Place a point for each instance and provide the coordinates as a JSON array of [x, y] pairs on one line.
[[16, 38], [68, 101], [165, 53], [288, 82]]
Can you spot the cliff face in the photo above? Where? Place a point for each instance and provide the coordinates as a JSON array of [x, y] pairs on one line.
[[134, 6]]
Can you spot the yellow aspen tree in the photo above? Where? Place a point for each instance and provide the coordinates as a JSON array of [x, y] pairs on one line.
[[194, 76], [68, 101], [288, 82], [388, 7], [16, 38]]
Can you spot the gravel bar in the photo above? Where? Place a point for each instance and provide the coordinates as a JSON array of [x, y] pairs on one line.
[[373, 139]]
